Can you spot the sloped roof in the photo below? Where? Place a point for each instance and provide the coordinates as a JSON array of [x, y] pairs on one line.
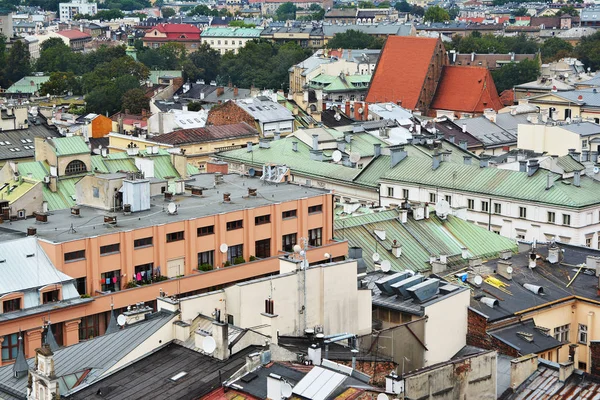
[[66, 146], [466, 89], [207, 134], [401, 70], [74, 34]]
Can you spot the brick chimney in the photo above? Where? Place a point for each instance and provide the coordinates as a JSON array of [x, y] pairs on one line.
[[235, 91], [220, 91]]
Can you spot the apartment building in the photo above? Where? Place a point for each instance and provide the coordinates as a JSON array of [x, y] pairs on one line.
[[66, 11], [229, 38], [209, 231], [159, 35]]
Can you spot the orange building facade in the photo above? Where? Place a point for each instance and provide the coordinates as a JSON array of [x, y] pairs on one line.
[[175, 250]]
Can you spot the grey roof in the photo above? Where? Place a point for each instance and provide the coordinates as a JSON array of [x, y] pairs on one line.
[[255, 382], [510, 122], [585, 128], [540, 341], [589, 97], [391, 111], [488, 132], [189, 207], [592, 82], [376, 29], [16, 138], [589, 14], [50, 340], [263, 109], [97, 355], [27, 266], [112, 324]]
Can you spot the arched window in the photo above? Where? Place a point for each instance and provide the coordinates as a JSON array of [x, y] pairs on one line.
[[75, 167]]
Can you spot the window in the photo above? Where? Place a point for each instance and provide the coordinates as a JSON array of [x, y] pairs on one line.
[[315, 209], [497, 208], [390, 191], [143, 273], [470, 204], [523, 212], [143, 242], [10, 347], [206, 230], [588, 241], [81, 285], [551, 217], [262, 219], [566, 219], [234, 252], [96, 192], [314, 237], [111, 281], [230, 319], [289, 214], [175, 236], [561, 333], [75, 167], [485, 206], [233, 225], [206, 258], [75, 255], [432, 198], [262, 248], [584, 144], [11, 305], [109, 249], [582, 335], [448, 199], [88, 327], [51, 297], [405, 193], [289, 241]]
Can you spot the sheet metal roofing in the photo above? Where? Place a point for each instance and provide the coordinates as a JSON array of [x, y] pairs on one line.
[[97, 354], [19, 144], [207, 134], [263, 109], [399, 77], [66, 146], [489, 133], [511, 336], [232, 32]]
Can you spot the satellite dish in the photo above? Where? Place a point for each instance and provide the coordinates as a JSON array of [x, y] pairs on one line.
[[251, 172], [209, 345], [338, 117], [386, 266], [354, 157], [337, 156], [172, 208], [370, 117], [360, 110], [223, 248], [442, 208], [509, 270], [382, 396], [286, 390], [478, 280], [297, 248], [596, 170], [376, 257], [121, 320]]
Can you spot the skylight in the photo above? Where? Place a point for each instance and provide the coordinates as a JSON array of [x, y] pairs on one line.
[[178, 376]]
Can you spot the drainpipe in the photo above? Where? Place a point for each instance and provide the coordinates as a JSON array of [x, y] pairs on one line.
[[590, 324], [490, 215]]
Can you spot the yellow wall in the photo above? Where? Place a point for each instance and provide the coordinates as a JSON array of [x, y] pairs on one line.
[[118, 142], [546, 138]]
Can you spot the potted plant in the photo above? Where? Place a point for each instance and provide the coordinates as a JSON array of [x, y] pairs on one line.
[[205, 267], [239, 260]]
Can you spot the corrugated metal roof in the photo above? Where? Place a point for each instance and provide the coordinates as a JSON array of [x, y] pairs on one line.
[[70, 145], [207, 134], [569, 164]]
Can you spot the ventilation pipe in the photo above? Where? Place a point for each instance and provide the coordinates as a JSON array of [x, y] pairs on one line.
[[315, 142], [577, 178], [490, 302], [534, 288]]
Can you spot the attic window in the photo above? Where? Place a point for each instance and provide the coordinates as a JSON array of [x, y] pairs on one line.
[[180, 375]]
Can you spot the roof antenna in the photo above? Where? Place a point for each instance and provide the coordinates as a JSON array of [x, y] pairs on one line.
[[20, 367]]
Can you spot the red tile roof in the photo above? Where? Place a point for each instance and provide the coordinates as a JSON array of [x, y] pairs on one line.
[[72, 34], [180, 32], [466, 89], [401, 70], [206, 134], [508, 97]]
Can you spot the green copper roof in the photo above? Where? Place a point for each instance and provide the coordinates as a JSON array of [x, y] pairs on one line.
[[66, 146], [340, 83], [568, 164], [232, 32]]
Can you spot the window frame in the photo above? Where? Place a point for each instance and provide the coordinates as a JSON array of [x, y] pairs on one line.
[[523, 212], [8, 305], [432, 197], [262, 248], [289, 214], [551, 217], [205, 230], [471, 204], [317, 208], [566, 219], [498, 208], [561, 333], [582, 332], [10, 345], [55, 296], [110, 249], [81, 254], [208, 256], [239, 252], [141, 242], [315, 237], [235, 225], [175, 236], [116, 286], [262, 219], [289, 241]]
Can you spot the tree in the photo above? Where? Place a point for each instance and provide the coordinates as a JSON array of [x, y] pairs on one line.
[[402, 6], [436, 14], [203, 10], [107, 98], [108, 15], [207, 61], [384, 4], [140, 15], [588, 51], [194, 106], [135, 101], [46, 44], [417, 10], [366, 4], [61, 83], [241, 24], [168, 12], [520, 12], [18, 62], [555, 48], [353, 39], [286, 11], [514, 74], [453, 12], [569, 9]]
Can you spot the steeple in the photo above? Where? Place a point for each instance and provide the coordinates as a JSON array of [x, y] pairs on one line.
[[20, 367], [112, 325], [50, 340]]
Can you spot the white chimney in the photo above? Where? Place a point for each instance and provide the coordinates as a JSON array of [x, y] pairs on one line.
[[314, 354], [220, 333]]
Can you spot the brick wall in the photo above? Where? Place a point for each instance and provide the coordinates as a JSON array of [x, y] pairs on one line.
[[217, 166], [595, 349], [477, 336], [228, 113]]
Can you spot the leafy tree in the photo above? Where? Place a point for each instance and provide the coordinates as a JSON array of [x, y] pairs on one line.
[[514, 74], [241, 24], [520, 12], [402, 6], [436, 14], [384, 4], [588, 51], [366, 4], [493, 44], [109, 15], [203, 10], [568, 9], [61, 83], [194, 106], [169, 56], [453, 12], [417, 10], [140, 15], [46, 44], [168, 12], [135, 101], [207, 61], [353, 39], [107, 98], [317, 13], [57, 56], [286, 11], [555, 48], [17, 62]]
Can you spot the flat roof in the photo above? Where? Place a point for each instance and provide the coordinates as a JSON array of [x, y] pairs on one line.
[[62, 227]]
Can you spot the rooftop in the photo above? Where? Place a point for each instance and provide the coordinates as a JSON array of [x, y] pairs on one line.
[[62, 227], [263, 109], [207, 134], [74, 34], [18, 144], [232, 32]]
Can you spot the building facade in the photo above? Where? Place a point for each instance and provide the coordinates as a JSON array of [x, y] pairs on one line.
[[66, 11], [229, 39]]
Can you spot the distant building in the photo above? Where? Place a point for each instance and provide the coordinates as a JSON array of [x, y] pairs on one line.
[[76, 39], [489, 61], [6, 24], [66, 11], [161, 34], [229, 39]]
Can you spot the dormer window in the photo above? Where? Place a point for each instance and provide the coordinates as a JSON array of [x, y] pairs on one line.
[[11, 305], [75, 167]]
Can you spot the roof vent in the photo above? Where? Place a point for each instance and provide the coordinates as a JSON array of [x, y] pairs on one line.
[[252, 192], [226, 197], [424, 290], [218, 178], [385, 284], [31, 231], [196, 192], [41, 217], [490, 302], [400, 288], [534, 288], [75, 211], [126, 209], [110, 219], [168, 196]]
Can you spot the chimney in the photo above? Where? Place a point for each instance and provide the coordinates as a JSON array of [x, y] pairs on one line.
[[533, 167], [577, 178], [376, 150], [451, 138], [467, 160], [549, 181], [276, 135], [220, 333], [249, 147], [295, 146], [464, 128], [436, 161], [463, 144], [403, 216], [553, 254], [220, 91], [523, 166], [315, 142], [503, 267], [565, 370], [484, 162], [396, 249], [347, 108], [235, 91], [226, 197], [31, 231], [397, 154], [348, 137]]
